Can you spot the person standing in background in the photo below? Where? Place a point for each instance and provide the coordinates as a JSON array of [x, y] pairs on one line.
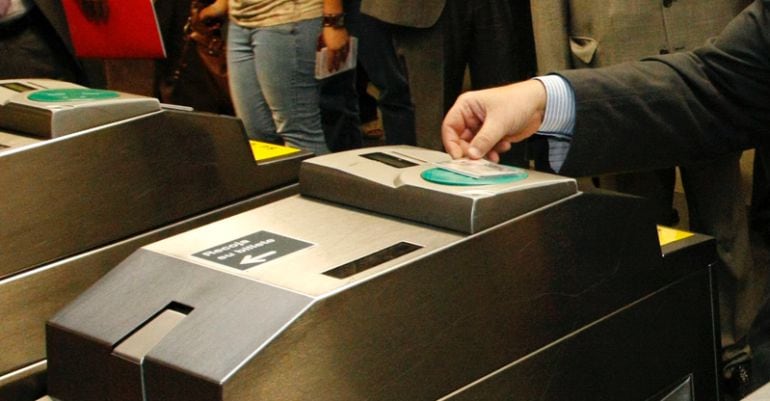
[[271, 47], [35, 43], [378, 58], [441, 38]]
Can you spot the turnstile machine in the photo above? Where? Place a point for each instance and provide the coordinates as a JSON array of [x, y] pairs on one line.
[[80, 196], [390, 278]]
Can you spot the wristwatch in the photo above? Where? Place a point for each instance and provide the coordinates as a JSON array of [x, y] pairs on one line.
[[334, 20]]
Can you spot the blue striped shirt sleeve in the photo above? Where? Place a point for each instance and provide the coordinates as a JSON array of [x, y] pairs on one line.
[[559, 119]]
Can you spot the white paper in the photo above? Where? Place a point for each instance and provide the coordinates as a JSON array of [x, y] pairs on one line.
[[322, 57]]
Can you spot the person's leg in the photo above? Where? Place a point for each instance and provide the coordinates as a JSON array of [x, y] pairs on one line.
[[424, 58], [501, 51], [717, 207], [285, 59], [378, 57], [760, 194], [459, 34], [339, 112], [340, 116], [245, 88], [759, 342], [367, 104]]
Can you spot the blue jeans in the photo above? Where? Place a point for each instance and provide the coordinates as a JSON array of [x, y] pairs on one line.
[[273, 85]]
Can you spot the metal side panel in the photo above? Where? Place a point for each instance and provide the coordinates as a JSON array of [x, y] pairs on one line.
[[643, 352], [26, 384], [10, 141], [85, 190], [417, 327], [81, 337], [440, 321], [29, 299]]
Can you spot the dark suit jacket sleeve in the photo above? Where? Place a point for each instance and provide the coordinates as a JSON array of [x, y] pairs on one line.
[[675, 109]]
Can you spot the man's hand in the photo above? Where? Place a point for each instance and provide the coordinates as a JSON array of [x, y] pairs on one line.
[[485, 123], [96, 11]]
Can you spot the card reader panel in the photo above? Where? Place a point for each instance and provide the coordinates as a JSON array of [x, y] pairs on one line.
[[48, 109]]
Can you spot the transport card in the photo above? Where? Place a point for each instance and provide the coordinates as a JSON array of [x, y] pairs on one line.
[[478, 168]]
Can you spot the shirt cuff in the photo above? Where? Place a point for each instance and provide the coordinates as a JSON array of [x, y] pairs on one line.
[[559, 119]]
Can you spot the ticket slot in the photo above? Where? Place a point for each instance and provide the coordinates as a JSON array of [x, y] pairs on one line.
[[126, 360], [140, 341], [374, 259], [390, 160]]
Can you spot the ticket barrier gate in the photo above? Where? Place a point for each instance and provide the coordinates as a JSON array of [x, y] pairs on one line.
[[75, 205], [376, 284]]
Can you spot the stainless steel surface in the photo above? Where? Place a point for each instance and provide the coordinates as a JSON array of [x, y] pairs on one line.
[[639, 352], [24, 384], [418, 327], [10, 141], [75, 206], [353, 178], [138, 344], [83, 191], [28, 299], [337, 235]]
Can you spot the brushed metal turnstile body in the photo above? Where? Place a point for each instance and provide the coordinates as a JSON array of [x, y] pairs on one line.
[[75, 206], [309, 299]]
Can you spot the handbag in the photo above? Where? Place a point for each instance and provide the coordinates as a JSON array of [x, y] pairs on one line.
[[184, 78]]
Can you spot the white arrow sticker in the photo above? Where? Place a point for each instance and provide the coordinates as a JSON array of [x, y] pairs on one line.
[[239, 253], [250, 260]]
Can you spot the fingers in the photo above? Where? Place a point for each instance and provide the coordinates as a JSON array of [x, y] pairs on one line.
[[456, 132], [337, 42], [469, 130], [484, 124], [337, 57]]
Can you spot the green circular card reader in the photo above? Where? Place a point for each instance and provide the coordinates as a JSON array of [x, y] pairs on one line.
[[71, 95], [445, 177]]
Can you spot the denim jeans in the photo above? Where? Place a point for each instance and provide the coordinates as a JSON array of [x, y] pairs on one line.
[[273, 85]]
